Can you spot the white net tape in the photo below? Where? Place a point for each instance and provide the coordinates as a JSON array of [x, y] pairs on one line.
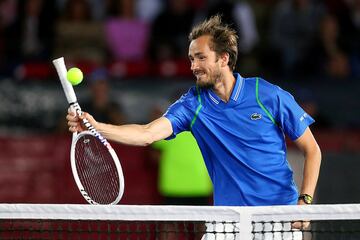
[[266, 223]]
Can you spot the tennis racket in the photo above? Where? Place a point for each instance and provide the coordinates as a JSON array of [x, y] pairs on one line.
[[94, 163]]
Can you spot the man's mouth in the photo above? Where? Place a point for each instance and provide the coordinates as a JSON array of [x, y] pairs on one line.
[[199, 74]]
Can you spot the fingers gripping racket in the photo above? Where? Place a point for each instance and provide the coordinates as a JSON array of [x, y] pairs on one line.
[[94, 163]]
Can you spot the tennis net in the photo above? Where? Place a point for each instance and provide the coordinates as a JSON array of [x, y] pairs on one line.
[[53, 221]]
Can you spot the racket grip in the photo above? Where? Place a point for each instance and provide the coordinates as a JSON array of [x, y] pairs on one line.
[[75, 107], [60, 67]]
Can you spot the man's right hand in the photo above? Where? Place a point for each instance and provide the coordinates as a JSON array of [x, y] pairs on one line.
[[75, 122]]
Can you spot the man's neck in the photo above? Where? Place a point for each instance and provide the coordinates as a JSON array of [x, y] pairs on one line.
[[224, 87]]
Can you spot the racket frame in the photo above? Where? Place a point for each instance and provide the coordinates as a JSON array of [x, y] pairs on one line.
[[60, 66], [76, 137]]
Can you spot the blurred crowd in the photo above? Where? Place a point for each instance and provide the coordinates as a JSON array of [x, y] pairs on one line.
[[303, 42], [282, 38]]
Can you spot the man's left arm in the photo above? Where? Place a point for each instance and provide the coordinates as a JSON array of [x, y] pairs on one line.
[[311, 150]]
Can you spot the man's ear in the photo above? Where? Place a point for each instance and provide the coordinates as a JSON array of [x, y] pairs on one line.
[[224, 58]]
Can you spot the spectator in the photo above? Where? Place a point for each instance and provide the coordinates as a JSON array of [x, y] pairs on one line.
[[99, 102], [354, 37], [354, 6], [169, 30], [30, 37], [8, 12], [346, 13], [337, 62], [147, 10], [330, 52], [78, 36], [294, 27], [7, 18], [239, 15], [126, 35], [97, 7]]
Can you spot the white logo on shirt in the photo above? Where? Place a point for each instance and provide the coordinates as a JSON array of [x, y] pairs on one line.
[[303, 117]]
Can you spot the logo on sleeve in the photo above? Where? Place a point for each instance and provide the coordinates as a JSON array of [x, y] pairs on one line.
[[255, 116]]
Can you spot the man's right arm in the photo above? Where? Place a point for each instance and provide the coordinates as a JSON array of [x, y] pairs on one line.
[[136, 134], [131, 134]]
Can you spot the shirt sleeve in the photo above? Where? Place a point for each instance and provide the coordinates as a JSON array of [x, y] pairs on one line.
[[291, 117], [179, 116]]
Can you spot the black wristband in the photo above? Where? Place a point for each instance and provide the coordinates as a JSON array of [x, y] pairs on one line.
[[306, 198]]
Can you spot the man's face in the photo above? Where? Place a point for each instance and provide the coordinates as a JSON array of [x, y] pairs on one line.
[[205, 65]]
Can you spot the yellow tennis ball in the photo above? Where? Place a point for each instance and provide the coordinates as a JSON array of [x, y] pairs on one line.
[[74, 76]]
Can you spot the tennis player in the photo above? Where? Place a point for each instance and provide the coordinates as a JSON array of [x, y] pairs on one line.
[[239, 124]]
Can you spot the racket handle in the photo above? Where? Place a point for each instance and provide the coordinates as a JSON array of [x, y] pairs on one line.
[[59, 64], [77, 109], [89, 126]]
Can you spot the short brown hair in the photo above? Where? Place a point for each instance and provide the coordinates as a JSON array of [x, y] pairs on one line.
[[224, 38]]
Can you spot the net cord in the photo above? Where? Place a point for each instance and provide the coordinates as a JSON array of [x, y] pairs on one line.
[[188, 213], [243, 215]]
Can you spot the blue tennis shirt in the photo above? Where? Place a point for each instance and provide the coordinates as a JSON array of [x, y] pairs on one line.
[[242, 141]]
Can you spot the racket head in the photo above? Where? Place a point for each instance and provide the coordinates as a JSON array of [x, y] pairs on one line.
[[96, 169]]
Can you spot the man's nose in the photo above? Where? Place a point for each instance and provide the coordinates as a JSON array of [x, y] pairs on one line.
[[194, 65]]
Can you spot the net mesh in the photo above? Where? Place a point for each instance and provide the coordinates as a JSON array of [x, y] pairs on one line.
[[96, 170], [72, 229], [316, 229], [320, 222]]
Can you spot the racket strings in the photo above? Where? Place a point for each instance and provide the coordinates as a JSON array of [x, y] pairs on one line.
[[96, 170], [97, 184]]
